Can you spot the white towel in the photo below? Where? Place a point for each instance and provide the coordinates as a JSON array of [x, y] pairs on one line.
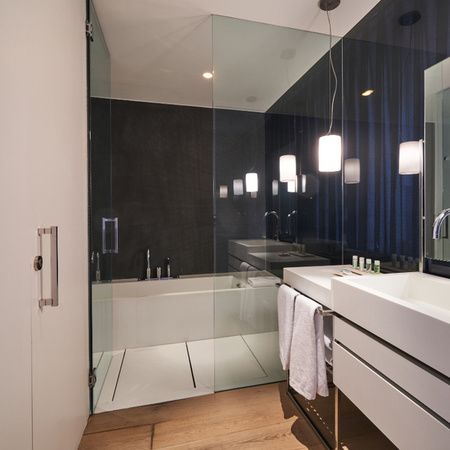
[[263, 281], [307, 369], [286, 301]]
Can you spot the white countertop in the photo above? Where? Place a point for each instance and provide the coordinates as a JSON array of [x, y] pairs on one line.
[[313, 281]]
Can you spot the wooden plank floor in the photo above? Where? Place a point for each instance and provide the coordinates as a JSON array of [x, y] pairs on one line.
[[259, 417]]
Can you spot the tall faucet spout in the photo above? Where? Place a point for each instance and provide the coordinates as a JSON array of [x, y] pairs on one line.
[[438, 222]]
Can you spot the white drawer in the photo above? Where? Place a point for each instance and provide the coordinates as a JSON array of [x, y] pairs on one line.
[[402, 420], [421, 384]]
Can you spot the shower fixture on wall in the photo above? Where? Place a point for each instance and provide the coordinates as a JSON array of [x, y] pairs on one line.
[[330, 145]]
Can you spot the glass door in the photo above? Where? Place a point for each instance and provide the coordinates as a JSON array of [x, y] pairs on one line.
[[103, 226], [266, 106]]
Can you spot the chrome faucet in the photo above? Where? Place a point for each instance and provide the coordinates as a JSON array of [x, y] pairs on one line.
[[273, 213], [438, 222], [289, 217], [149, 270]]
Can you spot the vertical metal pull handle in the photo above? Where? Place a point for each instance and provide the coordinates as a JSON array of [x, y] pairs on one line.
[[114, 247], [54, 297]]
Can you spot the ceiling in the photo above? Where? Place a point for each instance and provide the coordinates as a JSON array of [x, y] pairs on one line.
[[160, 48]]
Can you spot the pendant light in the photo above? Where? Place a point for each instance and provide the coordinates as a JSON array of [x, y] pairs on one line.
[[410, 153], [238, 187], [292, 185], [275, 187], [251, 182], [288, 168], [223, 191], [330, 145], [410, 157], [352, 171]]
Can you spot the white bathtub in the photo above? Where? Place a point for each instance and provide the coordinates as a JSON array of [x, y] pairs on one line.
[[147, 313]]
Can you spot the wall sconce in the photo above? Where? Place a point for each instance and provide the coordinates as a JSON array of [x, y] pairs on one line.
[[288, 168], [238, 187], [275, 187], [352, 171], [251, 182], [292, 185], [223, 191], [410, 157], [330, 153]]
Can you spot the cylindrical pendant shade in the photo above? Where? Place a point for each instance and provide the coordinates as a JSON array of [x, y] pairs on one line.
[[251, 182], [303, 184], [238, 187], [288, 168], [352, 171], [410, 158], [330, 153], [292, 185], [275, 187], [223, 191]]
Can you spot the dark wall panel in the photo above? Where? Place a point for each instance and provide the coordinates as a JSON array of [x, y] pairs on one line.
[[162, 187]]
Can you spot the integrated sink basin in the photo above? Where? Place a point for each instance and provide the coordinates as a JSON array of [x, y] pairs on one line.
[[411, 311]]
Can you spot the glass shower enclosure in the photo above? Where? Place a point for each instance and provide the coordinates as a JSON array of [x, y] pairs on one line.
[[190, 223]]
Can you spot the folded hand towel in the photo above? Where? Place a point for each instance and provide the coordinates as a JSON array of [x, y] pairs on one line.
[[263, 281], [286, 302], [307, 369]]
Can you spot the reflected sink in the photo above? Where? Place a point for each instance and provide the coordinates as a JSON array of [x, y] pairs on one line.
[[242, 247], [409, 310]]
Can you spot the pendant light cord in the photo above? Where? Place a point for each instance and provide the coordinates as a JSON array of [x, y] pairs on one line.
[[334, 74]]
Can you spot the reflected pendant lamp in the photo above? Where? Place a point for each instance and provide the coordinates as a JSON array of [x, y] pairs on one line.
[[288, 168], [251, 182], [238, 187], [275, 187], [352, 171]]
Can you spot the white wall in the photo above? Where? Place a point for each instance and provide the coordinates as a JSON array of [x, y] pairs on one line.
[[43, 181]]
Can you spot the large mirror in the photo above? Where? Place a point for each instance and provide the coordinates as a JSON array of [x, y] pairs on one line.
[[437, 134]]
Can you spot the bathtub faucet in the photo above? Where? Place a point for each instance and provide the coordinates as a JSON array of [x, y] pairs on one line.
[[149, 270]]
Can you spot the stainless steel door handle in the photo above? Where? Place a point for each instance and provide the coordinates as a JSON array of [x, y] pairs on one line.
[[39, 263]]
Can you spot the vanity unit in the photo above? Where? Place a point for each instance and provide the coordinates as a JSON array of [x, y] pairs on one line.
[[391, 354], [390, 359]]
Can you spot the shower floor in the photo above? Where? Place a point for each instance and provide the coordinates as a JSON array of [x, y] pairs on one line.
[[149, 375]]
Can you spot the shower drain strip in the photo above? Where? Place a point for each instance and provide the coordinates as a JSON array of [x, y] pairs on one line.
[[118, 375], [190, 365]]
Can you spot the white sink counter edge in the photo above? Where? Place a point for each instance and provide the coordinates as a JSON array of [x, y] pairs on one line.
[[314, 281], [435, 312]]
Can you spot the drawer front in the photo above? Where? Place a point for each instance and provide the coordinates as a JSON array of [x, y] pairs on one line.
[[402, 420], [418, 382]]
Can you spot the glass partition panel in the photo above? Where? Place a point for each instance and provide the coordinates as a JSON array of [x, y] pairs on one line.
[[100, 208], [271, 97]]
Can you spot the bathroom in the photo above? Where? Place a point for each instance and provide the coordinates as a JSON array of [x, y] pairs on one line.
[[203, 167]]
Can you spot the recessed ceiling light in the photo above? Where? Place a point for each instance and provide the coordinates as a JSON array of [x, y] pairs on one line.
[[367, 93], [207, 75]]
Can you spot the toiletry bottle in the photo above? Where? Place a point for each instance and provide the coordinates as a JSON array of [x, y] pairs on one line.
[[369, 265], [355, 261], [158, 272], [377, 266], [361, 263]]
